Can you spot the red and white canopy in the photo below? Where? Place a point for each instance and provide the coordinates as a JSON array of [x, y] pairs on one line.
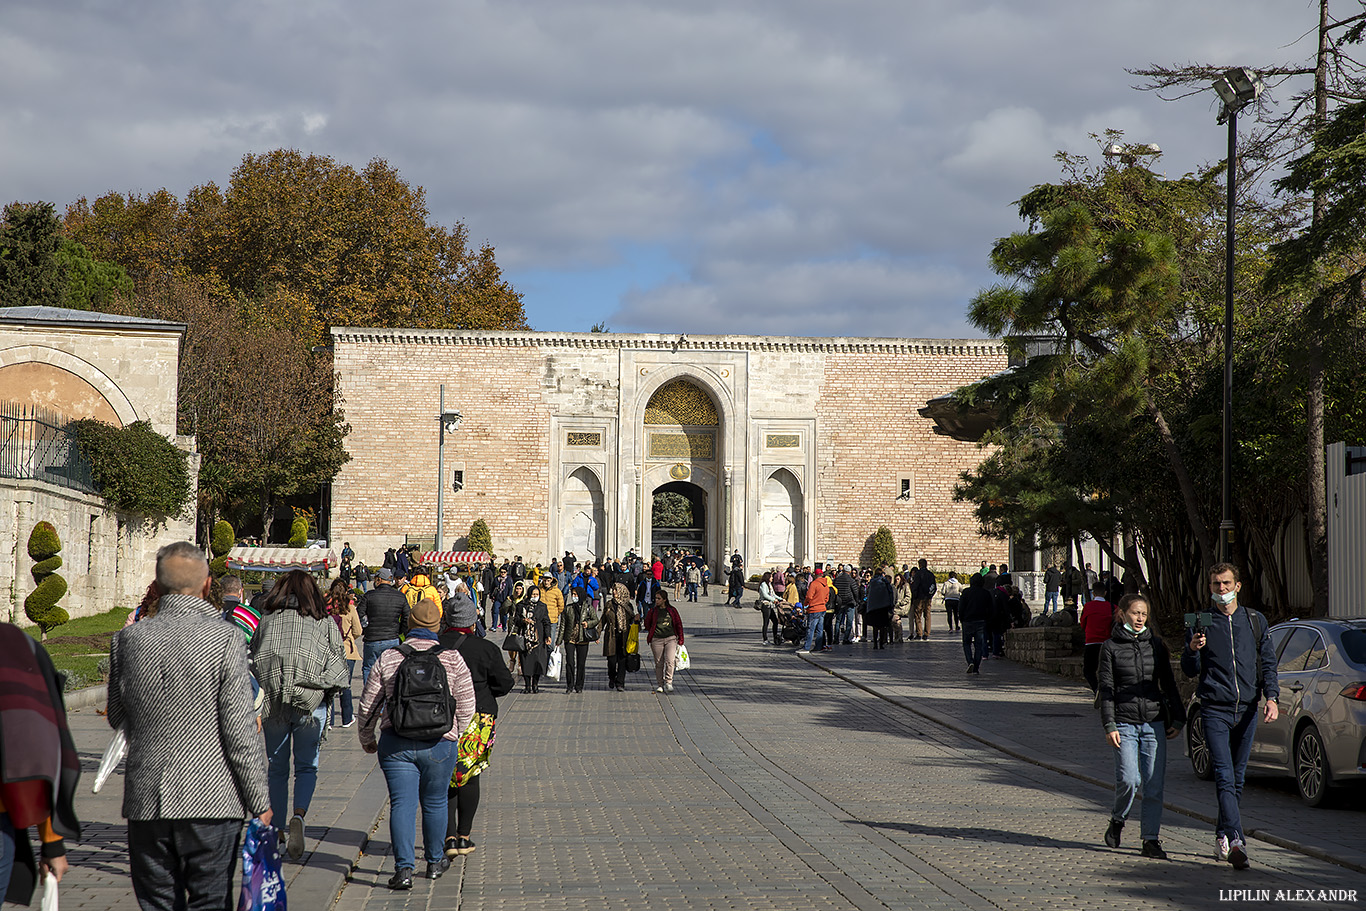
[[452, 557], [281, 559]]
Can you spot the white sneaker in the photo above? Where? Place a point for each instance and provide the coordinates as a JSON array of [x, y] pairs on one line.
[[659, 689], [802, 651], [294, 843], [1221, 848], [669, 689], [1237, 853], [857, 639]]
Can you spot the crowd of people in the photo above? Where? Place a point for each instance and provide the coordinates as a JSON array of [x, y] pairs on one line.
[[227, 719]]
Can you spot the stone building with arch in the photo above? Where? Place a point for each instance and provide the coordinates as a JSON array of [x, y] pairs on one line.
[[63, 365], [784, 449]]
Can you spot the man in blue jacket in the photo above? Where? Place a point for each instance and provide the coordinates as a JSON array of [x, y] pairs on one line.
[[1236, 664]]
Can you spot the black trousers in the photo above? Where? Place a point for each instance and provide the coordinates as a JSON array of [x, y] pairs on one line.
[[461, 805], [951, 608], [575, 657], [1090, 665], [184, 864], [616, 669], [773, 614]]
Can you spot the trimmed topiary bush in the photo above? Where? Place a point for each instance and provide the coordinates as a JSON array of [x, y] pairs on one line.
[[298, 532], [480, 539], [884, 546], [220, 543], [41, 604]]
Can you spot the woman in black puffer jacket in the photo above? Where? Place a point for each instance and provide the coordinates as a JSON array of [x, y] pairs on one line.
[[1141, 710]]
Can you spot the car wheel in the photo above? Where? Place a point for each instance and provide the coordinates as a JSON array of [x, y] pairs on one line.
[[1311, 767], [1201, 763]]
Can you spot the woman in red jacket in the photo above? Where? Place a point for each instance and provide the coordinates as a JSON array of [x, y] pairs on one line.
[[664, 632]]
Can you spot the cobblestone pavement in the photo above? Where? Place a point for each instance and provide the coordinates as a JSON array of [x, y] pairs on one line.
[[766, 782]]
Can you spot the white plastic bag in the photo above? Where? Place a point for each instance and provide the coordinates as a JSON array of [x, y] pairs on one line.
[[556, 663], [49, 892], [113, 755], [683, 662]]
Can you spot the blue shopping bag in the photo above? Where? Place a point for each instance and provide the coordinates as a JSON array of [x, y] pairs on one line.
[[263, 885]]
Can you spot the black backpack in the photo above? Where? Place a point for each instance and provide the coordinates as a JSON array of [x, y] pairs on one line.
[[422, 707]]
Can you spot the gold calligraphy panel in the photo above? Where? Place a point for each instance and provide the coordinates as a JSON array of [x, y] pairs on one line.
[[582, 439], [782, 441], [695, 446]]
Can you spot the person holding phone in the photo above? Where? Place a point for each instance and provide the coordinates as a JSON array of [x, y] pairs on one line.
[[1140, 708], [1236, 664]]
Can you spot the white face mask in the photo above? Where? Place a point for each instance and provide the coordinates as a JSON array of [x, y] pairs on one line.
[[1223, 597]]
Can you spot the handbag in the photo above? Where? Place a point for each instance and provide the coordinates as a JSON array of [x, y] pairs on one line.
[[514, 643], [263, 886], [590, 633], [633, 662]]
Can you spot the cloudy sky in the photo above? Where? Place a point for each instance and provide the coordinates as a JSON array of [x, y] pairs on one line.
[[794, 167]]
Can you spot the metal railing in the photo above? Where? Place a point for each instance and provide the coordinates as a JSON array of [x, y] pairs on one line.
[[36, 444]]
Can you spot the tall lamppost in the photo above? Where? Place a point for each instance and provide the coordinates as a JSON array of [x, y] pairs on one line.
[[450, 423], [1237, 88]]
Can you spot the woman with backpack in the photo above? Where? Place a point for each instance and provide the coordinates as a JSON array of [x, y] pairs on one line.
[[578, 629], [1140, 708], [296, 655], [403, 717]]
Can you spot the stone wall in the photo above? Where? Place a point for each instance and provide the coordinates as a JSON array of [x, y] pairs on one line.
[[107, 558], [851, 403]]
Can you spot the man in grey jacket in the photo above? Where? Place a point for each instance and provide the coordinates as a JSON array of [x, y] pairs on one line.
[[180, 689]]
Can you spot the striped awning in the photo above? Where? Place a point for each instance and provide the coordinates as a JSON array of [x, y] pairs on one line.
[[281, 559], [452, 557]]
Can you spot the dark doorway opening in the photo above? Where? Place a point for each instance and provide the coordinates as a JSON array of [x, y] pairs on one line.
[[678, 518]]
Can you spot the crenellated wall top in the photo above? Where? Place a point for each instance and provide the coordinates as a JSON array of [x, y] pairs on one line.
[[670, 342]]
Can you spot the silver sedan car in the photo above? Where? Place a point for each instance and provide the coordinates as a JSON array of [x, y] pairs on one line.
[[1320, 737]]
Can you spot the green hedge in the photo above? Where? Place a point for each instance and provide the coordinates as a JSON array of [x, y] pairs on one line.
[[137, 469], [44, 542], [41, 604], [47, 567], [480, 538], [298, 532]]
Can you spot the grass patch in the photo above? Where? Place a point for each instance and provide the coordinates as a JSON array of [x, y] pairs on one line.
[[79, 646]]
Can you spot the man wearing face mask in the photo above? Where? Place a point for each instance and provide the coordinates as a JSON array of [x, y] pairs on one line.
[[1236, 664]]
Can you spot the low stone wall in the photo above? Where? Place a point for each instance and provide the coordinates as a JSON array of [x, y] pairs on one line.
[[1043, 647]]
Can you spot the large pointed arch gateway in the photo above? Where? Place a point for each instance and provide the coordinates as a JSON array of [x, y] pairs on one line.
[[682, 457]]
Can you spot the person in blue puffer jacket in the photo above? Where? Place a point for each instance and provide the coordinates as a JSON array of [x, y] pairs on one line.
[[1236, 664]]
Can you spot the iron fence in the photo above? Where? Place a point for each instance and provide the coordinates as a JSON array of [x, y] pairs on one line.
[[36, 444]]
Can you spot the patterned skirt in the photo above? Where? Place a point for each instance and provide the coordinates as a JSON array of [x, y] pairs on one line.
[[474, 748]]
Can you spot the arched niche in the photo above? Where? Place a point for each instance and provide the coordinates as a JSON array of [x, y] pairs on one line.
[[780, 518], [584, 518], [65, 383]]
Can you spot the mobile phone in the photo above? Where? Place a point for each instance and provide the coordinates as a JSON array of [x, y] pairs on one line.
[[1198, 622]]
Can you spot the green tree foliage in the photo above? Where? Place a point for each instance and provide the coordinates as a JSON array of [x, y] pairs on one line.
[[31, 274], [298, 532], [310, 239], [41, 605], [479, 538], [137, 469], [90, 283], [883, 546], [671, 510]]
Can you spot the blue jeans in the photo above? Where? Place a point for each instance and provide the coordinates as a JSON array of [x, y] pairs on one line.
[[345, 698], [691, 591], [1228, 732], [844, 625], [1141, 761], [815, 631], [370, 654], [305, 731], [418, 772], [1050, 603], [6, 853], [496, 614], [974, 641]]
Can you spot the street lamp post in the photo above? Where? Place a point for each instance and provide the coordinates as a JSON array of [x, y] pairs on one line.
[[1236, 88], [449, 422]]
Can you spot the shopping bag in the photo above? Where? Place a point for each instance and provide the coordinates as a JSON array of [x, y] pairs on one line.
[[683, 662], [263, 885], [633, 639], [113, 755], [49, 892], [556, 663]]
